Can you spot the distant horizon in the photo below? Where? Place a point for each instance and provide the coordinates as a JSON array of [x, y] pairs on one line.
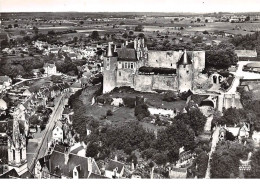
[[152, 6]]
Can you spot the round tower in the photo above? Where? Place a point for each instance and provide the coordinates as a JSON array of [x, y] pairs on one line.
[[184, 73]]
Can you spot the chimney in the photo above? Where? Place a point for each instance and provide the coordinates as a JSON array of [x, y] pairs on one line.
[[89, 164], [115, 48], [152, 172], [142, 42], [135, 43], [115, 157], [132, 166], [126, 43], [109, 50]]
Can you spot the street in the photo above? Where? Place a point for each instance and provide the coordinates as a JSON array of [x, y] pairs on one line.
[[43, 145]]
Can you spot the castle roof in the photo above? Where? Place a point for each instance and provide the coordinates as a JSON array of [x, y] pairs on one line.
[[127, 54], [185, 59]]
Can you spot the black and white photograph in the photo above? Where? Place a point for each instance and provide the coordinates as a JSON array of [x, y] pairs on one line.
[[129, 89]]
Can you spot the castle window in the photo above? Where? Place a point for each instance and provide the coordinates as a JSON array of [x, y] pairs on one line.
[[171, 64], [125, 65], [119, 73], [13, 154], [187, 72], [132, 65], [128, 65], [21, 154]]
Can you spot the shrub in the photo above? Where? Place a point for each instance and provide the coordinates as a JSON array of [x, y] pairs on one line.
[[100, 100], [169, 97], [109, 113], [129, 102], [141, 111]]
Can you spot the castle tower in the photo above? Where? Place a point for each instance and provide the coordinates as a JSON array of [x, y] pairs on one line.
[[184, 73], [110, 70], [17, 148]]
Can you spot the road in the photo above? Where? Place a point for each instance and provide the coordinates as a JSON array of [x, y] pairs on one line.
[[213, 148], [43, 145]]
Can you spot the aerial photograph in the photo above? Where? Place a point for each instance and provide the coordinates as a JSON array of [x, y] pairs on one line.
[[129, 89]]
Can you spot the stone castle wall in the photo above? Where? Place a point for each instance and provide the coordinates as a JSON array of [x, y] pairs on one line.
[[149, 83]]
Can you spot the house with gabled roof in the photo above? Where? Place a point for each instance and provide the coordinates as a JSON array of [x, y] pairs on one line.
[[114, 169], [61, 163]]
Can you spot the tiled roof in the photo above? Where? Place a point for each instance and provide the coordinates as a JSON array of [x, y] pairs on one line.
[[114, 164], [57, 159], [96, 176], [183, 60], [10, 174], [127, 54]]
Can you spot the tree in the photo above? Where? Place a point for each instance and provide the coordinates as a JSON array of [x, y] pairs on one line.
[[225, 160], [205, 32], [255, 165], [131, 33], [221, 58], [10, 26], [160, 158], [194, 118], [36, 30], [81, 22], [34, 120], [139, 28], [198, 20], [201, 162], [4, 44], [125, 35], [95, 35], [15, 25], [92, 150]]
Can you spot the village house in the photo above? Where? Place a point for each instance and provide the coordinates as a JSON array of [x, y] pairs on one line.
[[57, 132], [50, 69], [114, 169], [5, 81], [62, 163], [3, 105]]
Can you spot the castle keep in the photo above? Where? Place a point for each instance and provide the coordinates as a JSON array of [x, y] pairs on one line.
[[128, 66]]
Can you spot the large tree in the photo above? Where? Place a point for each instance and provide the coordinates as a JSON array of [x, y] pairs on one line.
[[195, 118]]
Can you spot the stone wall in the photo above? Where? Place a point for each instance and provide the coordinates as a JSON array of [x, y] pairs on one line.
[[150, 83], [198, 61], [161, 82], [143, 83], [166, 59], [125, 77]]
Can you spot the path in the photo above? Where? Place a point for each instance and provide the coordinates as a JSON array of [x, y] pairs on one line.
[[215, 139]]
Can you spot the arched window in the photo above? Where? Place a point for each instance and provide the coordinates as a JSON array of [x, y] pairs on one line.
[[214, 79]]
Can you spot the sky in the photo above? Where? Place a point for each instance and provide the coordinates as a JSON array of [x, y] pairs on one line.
[[198, 6]]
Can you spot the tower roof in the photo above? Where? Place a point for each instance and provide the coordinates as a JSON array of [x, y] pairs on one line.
[[185, 59]]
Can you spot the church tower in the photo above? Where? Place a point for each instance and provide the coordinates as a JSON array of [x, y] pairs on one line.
[[184, 73], [17, 148]]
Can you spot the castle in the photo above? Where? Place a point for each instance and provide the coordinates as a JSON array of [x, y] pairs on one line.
[[122, 67]]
